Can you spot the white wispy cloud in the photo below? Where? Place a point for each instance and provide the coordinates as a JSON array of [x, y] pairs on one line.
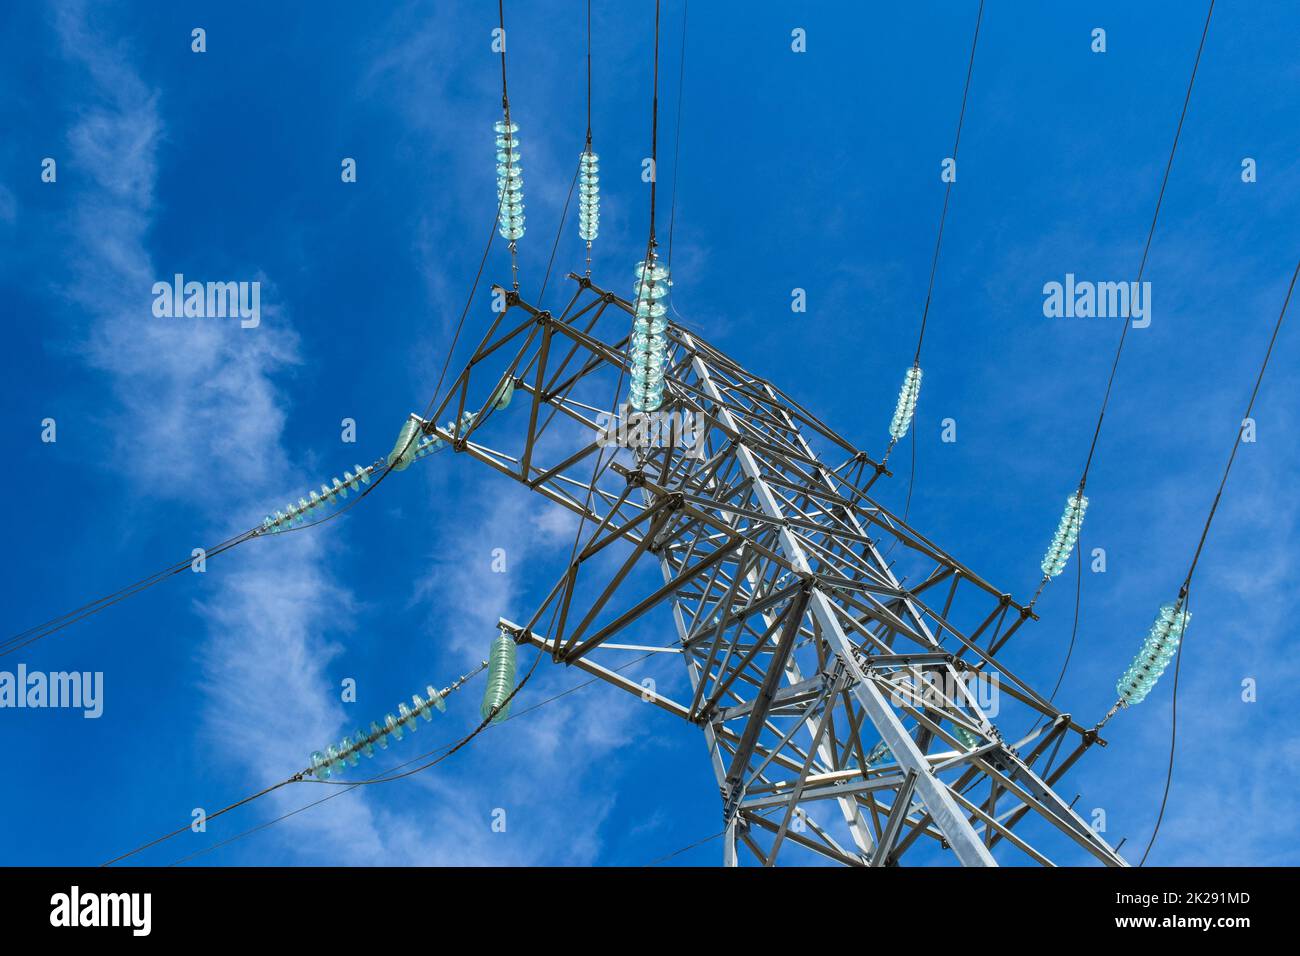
[[197, 399]]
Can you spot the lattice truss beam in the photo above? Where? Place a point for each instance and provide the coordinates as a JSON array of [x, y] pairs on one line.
[[824, 675]]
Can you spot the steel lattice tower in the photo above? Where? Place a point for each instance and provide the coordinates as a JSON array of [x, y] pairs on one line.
[[820, 670]]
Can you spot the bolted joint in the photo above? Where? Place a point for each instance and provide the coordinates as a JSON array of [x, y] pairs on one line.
[[731, 794]]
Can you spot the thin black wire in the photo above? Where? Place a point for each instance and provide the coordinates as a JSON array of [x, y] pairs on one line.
[[473, 290], [595, 473], [1250, 406], [352, 785], [677, 136], [40, 631], [1173, 743], [668, 856], [261, 826], [392, 775], [298, 778], [212, 816], [463, 742], [564, 217], [943, 216], [911, 483], [654, 130], [1074, 628], [588, 74], [590, 490], [1185, 592], [938, 241], [1146, 249], [911, 475], [437, 389], [505, 97]]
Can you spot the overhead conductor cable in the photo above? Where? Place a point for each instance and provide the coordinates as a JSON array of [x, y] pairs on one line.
[[1073, 517]]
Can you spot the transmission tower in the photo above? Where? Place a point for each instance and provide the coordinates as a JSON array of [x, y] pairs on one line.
[[823, 674]]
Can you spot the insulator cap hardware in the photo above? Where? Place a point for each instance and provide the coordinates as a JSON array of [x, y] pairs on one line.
[[1157, 651], [329, 495], [502, 662], [1067, 534], [510, 181], [649, 343], [906, 407]]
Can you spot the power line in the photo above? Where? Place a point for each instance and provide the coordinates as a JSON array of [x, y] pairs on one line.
[[45, 629], [588, 73], [348, 786], [211, 816], [261, 826], [1185, 590], [1073, 517], [501, 20], [677, 136], [1146, 249], [1173, 744], [301, 777], [463, 742], [943, 216], [564, 217], [1250, 405], [934, 265], [654, 131], [464, 312], [1074, 628], [668, 856], [393, 775]]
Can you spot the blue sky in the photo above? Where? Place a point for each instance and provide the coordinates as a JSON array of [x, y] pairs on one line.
[[817, 171]]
